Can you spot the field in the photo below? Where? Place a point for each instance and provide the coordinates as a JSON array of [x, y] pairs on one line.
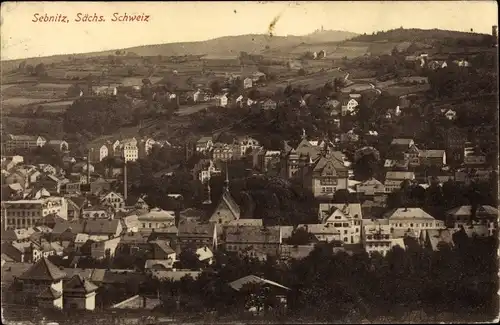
[[400, 90]]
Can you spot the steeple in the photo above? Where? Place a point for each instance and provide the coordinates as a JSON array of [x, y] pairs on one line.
[[209, 195], [226, 182], [304, 136]]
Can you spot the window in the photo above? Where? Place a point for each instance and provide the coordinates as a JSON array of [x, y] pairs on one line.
[[345, 232], [337, 224], [345, 224], [357, 229], [345, 239]]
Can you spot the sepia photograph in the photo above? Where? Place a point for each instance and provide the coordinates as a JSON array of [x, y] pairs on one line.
[[249, 162]]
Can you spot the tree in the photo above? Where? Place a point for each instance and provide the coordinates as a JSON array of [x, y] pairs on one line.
[[188, 259], [30, 69], [40, 70], [215, 87], [366, 163], [300, 236]]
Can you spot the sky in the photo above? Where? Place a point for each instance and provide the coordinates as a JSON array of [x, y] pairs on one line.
[[196, 21]]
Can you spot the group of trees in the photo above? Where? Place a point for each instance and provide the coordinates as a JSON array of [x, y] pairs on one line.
[[332, 286], [38, 70], [98, 115]]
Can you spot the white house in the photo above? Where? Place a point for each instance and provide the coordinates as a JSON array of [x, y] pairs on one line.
[[451, 115], [393, 180], [344, 217], [247, 83], [221, 101], [349, 105]]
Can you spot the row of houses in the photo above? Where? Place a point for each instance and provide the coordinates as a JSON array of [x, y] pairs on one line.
[[130, 149], [28, 142]]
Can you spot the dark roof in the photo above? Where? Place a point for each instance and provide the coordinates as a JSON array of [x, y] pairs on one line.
[[78, 284], [101, 226], [50, 293], [43, 270], [79, 201], [251, 234], [74, 227]]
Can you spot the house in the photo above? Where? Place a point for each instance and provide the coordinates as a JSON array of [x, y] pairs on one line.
[[246, 143], [66, 231], [14, 142], [51, 183], [269, 104], [221, 101], [114, 200], [247, 83], [249, 240], [432, 158], [227, 209], [349, 104], [25, 213], [156, 218], [43, 283], [98, 152], [246, 222], [412, 220], [345, 218], [327, 175], [205, 255], [296, 252], [204, 144], [484, 215], [377, 237], [58, 145], [451, 115], [322, 232], [244, 287], [111, 228], [104, 248], [370, 187], [145, 146], [225, 152], [82, 167], [97, 212], [239, 101], [474, 157], [434, 239], [267, 160], [393, 180], [10, 162], [162, 250], [79, 293], [196, 234]]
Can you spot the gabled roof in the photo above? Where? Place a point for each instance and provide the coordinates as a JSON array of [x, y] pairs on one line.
[[399, 175], [228, 202], [49, 293], [251, 234], [108, 227], [164, 246], [238, 284], [78, 284], [410, 213], [43, 270], [330, 161], [431, 153], [482, 210]]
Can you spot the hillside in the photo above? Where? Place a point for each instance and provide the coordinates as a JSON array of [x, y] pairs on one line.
[[222, 47], [426, 36]]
